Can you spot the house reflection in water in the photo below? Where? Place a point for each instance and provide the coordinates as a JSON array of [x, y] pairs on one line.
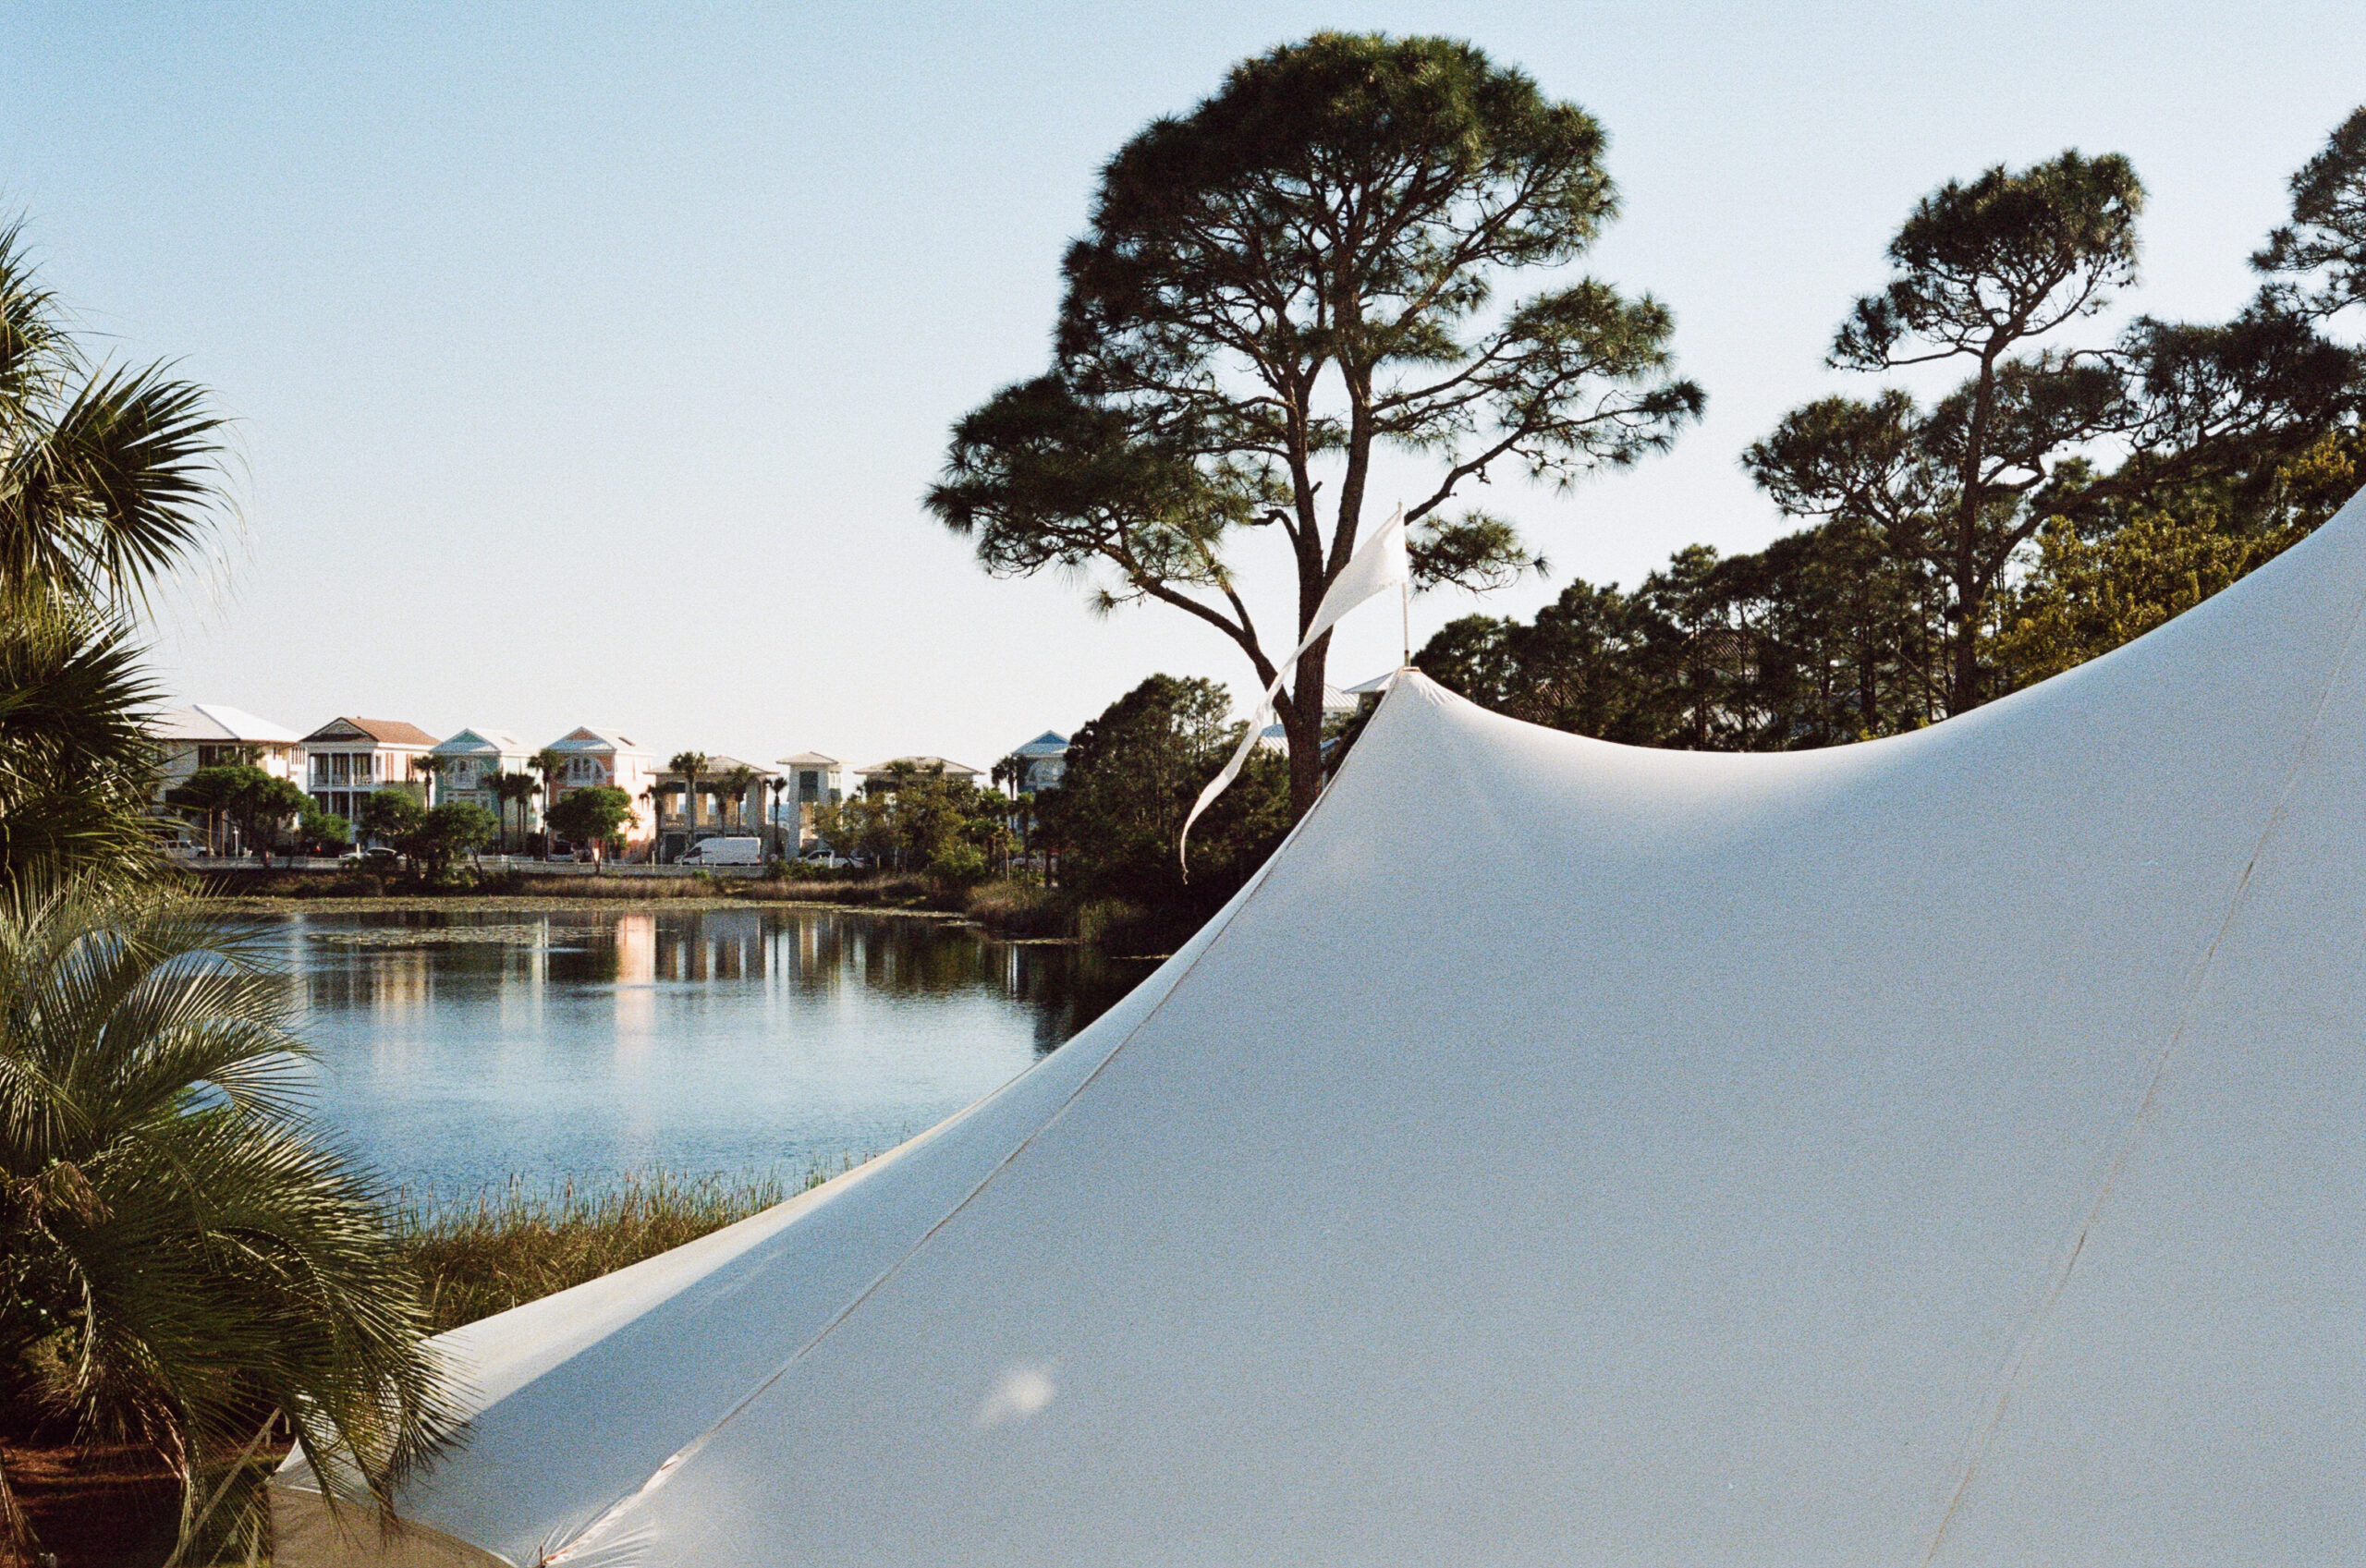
[[461, 1048], [636, 983]]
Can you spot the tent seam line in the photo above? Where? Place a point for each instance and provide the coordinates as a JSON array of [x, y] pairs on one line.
[[2133, 1131]]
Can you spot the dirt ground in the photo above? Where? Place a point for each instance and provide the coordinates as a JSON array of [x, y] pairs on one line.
[[99, 1508]]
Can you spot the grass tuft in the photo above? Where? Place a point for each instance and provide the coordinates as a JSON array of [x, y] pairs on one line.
[[508, 1246]]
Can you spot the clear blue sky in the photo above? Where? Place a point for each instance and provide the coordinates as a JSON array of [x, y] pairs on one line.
[[589, 361]]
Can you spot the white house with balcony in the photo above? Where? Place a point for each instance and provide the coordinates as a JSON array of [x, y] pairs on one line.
[[211, 734], [808, 780], [346, 761], [589, 755]]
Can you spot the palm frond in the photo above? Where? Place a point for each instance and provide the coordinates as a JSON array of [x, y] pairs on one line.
[[37, 354], [75, 761], [209, 1254], [120, 485]]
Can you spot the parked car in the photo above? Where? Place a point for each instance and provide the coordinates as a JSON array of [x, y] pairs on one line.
[[724, 851], [825, 857], [376, 855]]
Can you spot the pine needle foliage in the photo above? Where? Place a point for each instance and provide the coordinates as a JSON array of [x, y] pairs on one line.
[[1320, 266]]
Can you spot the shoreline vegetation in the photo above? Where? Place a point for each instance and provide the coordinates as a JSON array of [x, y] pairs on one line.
[[1009, 911], [503, 1246], [474, 1255]]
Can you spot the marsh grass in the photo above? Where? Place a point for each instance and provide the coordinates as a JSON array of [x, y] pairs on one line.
[[1022, 909], [504, 1246]]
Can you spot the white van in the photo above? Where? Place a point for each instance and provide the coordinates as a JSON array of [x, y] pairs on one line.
[[724, 851]]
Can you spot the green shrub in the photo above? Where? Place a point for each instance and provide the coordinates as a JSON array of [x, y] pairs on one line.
[[959, 864]]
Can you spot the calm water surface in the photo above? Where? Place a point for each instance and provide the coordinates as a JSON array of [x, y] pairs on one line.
[[457, 1049]]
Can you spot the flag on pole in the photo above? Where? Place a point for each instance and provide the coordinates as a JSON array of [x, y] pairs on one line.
[[1379, 564]]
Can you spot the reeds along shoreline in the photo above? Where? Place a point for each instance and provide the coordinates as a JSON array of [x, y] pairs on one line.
[[1009, 908], [508, 1246]]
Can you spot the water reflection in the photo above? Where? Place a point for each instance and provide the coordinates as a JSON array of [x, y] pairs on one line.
[[456, 1048]]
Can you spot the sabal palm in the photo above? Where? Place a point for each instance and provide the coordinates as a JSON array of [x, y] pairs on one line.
[[739, 782], [74, 763], [425, 768], [514, 789], [179, 1251], [109, 480], [548, 764], [690, 764], [108, 475]]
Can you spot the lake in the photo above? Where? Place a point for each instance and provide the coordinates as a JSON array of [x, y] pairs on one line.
[[457, 1049]]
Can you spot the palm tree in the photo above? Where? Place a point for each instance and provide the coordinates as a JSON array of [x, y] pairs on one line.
[[519, 789], [503, 787], [181, 1253], [109, 480], [739, 782], [548, 764], [425, 768], [75, 765], [690, 764]]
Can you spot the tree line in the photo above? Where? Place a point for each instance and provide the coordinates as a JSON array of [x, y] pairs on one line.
[[1317, 263], [2064, 497]]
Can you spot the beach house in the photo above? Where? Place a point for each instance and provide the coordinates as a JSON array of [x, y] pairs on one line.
[[589, 755], [209, 734], [470, 761], [349, 760], [812, 780]]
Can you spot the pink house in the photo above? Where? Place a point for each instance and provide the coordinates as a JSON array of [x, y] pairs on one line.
[[604, 756]]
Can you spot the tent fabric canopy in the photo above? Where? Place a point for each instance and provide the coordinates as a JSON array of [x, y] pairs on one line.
[[1938, 1150]]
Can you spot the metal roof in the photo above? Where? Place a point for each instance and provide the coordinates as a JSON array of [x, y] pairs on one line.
[[213, 721]]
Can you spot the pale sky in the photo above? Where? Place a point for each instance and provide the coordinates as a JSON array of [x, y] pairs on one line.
[[589, 362]]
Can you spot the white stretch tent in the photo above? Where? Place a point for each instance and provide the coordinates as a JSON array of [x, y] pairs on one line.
[[1942, 1149]]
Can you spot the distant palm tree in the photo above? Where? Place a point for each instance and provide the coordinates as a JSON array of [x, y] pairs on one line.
[[512, 789], [426, 767], [739, 782], [549, 763], [690, 764], [180, 1249], [776, 790]]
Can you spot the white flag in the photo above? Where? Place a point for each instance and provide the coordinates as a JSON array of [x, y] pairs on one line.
[[1379, 564]]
